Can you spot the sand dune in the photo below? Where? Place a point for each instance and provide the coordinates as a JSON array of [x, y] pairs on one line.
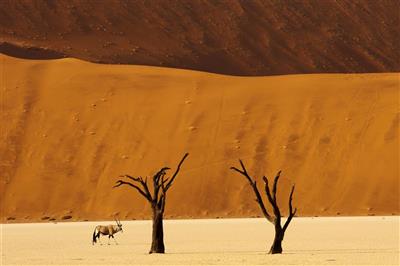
[[309, 241], [237, 37], [69, 128]]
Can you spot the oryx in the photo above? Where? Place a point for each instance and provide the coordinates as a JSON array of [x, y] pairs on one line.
[[109, 230]]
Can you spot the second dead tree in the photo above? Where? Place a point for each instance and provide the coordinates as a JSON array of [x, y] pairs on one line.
[[271, 196], [161, 184]]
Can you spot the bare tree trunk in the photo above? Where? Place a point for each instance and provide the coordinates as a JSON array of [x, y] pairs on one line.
[[157, 244], [276, 247]]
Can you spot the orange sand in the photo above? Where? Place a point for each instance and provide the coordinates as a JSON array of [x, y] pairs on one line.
[[69, 128]]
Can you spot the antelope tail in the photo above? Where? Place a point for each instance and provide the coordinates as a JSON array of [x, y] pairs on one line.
[[94, 237]]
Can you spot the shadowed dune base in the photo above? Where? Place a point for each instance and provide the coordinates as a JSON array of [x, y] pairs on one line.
[[309, 241], [69, 128], [28, 52]]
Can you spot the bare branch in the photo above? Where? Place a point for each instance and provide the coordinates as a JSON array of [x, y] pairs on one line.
[[159, 174], [271, 200], [145, 186], [136, 179], [121, 182], [261, 203], [253, 184], [272, 196], [291, 212], [275, 186], [240, 172], [169, 183], [165, 180], [243, 167], [141, 181], [243, 172], [156, 182], [163, 195]]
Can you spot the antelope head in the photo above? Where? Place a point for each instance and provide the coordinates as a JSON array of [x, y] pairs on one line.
[[119, 228]]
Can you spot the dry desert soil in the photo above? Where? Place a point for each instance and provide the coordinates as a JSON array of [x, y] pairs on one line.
[[309, 241]]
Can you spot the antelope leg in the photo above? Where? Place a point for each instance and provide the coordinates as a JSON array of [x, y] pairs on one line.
[[116, 243]]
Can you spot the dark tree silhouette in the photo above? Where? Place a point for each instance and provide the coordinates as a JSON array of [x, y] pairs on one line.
[[161, 184], [271, 196]]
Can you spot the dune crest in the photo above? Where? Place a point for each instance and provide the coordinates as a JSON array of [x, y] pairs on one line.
[[69, 128]]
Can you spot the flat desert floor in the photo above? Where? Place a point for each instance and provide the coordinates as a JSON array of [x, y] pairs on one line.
[[311, 241]]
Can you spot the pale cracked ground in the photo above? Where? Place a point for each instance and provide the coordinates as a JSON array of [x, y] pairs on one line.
[[311, 241]]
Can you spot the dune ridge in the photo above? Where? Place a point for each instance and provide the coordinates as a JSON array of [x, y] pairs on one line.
[[70, 127]]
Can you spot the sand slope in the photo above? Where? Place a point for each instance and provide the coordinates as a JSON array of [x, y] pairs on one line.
[[69, 128], [237, 37]]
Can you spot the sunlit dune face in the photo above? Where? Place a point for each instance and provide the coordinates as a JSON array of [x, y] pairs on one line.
[[74, 127]]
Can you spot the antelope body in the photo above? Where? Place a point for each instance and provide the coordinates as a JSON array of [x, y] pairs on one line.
[[105, 230]]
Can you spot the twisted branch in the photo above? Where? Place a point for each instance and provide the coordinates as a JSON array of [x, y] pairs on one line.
[[271, 196], [144, 194], [253, 184], [160, 182]]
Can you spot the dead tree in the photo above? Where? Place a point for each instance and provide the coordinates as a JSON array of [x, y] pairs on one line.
[[271, 196], [157, 199]]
